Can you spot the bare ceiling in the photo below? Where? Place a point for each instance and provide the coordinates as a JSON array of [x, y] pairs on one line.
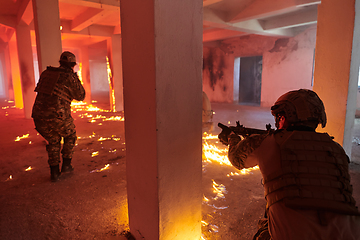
[[92, 21]]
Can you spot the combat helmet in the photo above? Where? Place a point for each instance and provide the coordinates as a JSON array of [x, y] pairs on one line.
[[68, 57], [301, 107]]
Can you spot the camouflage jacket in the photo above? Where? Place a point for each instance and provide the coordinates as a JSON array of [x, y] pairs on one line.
[[56, 89], [240, 149]]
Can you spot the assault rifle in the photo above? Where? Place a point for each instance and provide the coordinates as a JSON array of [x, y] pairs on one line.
[[239, 130]]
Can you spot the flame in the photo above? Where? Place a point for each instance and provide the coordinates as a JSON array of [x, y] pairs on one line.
[[212, 153], [80, 73], [83, 106], [103, 139], [28, 169], [107, 166], [23, 136], [209, 136], [111, 85], [219, 189], [243, 171], [115, 118], [94, 154]]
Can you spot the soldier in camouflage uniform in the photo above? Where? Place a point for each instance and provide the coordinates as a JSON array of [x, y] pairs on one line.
[[51, 113], [305, 173]]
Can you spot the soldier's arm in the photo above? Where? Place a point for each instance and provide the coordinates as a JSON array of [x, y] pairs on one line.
[[77, 89], [239, 150]]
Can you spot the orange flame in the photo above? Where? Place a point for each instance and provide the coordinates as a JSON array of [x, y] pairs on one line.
[[111, 85], [23, 136]]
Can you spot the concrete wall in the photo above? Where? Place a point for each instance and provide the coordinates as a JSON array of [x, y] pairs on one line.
[[98, 75], [287, 65]]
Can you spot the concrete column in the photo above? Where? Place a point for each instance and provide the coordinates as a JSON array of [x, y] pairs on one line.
[[4, 92], [9, 84], [47, 30], [26, 66], [15, 74], [85, 73], [162, 65], [337, 66], [115, 59]]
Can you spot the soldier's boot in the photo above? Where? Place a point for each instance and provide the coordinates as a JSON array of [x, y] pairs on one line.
[[66, 166], [55, 173]]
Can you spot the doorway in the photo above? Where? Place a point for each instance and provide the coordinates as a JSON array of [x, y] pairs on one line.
[[249, 80]]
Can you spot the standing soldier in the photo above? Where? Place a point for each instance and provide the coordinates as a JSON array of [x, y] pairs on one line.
[[57, 87], [305, 173]]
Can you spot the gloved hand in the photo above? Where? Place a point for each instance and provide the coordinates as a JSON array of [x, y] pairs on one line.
[[224, 137]]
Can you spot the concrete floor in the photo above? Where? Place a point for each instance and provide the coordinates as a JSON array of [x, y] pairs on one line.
[[92, 204]]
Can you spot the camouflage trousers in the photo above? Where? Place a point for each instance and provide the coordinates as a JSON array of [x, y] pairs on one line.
[[263, 230], [52, 130]]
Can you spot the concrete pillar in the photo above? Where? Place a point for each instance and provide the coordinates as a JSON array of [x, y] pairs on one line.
[[85, 72], [9, 84], [4, 92], [115, 59], [47, 30], [162, 65], [15, 74], [337, 66], [26, 66]]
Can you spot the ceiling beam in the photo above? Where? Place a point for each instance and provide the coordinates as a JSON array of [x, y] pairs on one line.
[[295, 19], [25, 12], [210, 2], [8, 20], [210, 18], [6, 34], [220, 35], [86, 18], [93, 30], [100, 4], [267, 8]]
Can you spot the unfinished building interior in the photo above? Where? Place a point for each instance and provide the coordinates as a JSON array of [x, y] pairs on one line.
[[146, 64]]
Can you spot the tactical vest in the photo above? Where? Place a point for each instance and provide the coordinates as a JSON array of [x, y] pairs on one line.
[[314, 174], [51, 83]]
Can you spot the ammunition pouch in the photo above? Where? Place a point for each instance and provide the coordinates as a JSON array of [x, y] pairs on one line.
[[314, 174]]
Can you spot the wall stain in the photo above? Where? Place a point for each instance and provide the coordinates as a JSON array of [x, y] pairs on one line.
[[224, 88], [295, 47], [215, 65], [280, 43]]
